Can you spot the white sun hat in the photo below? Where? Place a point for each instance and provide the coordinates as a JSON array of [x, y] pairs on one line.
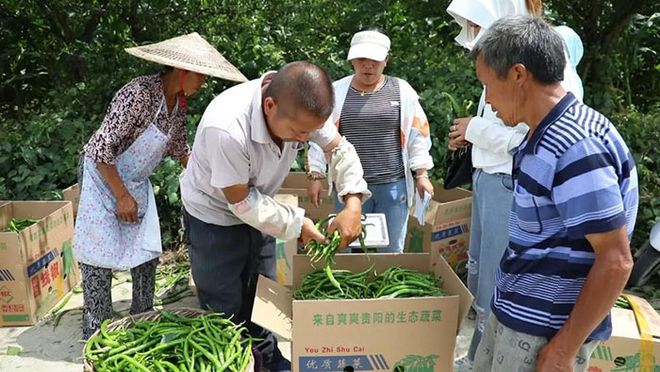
[[189, 52], [369, 44]]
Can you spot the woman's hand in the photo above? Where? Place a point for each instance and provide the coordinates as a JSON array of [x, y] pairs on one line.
[[457, 133], [424, 185], [127, 208]]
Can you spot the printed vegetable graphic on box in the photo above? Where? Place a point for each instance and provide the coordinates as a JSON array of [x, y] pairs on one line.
[[416, 363]]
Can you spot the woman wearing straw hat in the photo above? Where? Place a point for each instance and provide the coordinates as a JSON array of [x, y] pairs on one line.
[[117, 225]]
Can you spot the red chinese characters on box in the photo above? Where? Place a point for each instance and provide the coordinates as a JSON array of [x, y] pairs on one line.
[[36, 288], [54, 270], [44, 277], [13, 308]]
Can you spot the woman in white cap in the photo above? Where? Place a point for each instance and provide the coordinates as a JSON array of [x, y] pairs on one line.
[[491, 142], [117, 225], [381, 116]]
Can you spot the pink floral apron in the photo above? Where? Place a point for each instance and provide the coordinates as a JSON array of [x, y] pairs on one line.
[[101, 239]]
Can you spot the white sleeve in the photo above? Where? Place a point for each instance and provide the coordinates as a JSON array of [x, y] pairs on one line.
[[419, 144], [346, 171], [269, 216], [489, 133], [228, 158], [316, 158], [325, 134]]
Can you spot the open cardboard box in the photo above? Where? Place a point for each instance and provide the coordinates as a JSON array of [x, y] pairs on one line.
[[37, 267], [446, 230], [368, 334], [635, 342]]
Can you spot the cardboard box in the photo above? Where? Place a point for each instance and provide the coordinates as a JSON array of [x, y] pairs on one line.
[[296, 184], [285, 250], [635, 342], [72, 194], [369, 334], [36, 264], [446, 231]]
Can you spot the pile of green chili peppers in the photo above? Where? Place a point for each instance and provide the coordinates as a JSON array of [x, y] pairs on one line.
[[172, 343]]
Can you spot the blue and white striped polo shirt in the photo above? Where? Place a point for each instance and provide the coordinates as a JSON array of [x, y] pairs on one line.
[[574, 176]]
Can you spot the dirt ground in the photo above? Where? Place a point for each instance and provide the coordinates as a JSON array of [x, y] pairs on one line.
[[44, 347]]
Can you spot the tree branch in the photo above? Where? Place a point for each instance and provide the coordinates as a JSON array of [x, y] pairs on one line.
[[93, 22], [610, 37], [58, 22]]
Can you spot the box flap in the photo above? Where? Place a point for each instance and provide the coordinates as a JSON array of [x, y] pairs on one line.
[[72, 194], [624, 324], [651, 319], [453, 285], [298, 180], [449, 205], [289, 199], [273, 307]]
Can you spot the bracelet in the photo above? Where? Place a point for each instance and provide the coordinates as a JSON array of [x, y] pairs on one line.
[[315, 176], [425, 175]]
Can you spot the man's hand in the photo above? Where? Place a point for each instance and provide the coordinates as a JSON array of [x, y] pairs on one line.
[[127, 208], [553, 358], [314, 192], [310, 232], [348, 221], [457, 133]]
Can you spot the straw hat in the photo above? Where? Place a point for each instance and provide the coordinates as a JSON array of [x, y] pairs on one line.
[[189, 52]]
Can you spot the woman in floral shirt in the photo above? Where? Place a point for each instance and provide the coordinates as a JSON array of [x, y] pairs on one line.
[[117, 226]]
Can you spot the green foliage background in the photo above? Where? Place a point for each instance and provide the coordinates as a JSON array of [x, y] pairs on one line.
[[63, 60]]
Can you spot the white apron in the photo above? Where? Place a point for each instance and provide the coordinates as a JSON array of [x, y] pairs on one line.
[[101, 239]]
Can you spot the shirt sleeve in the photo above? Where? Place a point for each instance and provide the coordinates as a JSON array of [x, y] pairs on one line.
[[228, 158], [124, 117], [420, 141], [586, 190], [178, 146], [488, 135], [325, 134]]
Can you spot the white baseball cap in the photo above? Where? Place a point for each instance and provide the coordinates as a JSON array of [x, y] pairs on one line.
[[369, 44]]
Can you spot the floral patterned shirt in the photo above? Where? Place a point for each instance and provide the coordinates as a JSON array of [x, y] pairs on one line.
[[130, 112]]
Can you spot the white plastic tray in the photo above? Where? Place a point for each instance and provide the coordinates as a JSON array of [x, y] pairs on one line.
[[376, 227]]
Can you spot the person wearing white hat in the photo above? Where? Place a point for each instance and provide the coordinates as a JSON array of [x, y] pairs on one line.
[[381, 116], [491, 141], [117, 225]]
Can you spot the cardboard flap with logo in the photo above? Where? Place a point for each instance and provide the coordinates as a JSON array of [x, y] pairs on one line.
[[366, 334], [36, 264], [446, 229], [635, 341]]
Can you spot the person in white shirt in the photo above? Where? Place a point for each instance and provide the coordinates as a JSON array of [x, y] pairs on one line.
[[491, 142], [244, 147]]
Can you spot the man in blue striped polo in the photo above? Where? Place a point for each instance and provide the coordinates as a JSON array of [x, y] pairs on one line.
[[574, 208]]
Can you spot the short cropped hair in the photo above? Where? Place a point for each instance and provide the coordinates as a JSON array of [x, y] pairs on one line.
[[305, 86], [527, 40]]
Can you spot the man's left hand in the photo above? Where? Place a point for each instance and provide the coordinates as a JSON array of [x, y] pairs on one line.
[[348, 221], [553, 358], [458, 128]]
